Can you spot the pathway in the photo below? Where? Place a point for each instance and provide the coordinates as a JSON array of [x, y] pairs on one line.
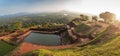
[[27, 47]]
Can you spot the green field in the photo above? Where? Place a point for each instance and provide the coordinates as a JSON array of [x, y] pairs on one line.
[[5, 48], [81, 28]]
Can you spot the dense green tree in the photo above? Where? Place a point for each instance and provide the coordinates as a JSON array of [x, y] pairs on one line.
[[17, 25], [84, 17], [94, 18], [108, 16], [2, 28]]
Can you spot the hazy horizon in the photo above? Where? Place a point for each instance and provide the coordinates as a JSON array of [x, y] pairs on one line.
[[33, 6]]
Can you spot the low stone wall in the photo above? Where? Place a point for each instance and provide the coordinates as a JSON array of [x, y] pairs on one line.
[[8, 36], [22, 37], [46, 32], [14, 34]]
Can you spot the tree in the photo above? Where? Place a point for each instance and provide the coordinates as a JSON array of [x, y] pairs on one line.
[[108, 17], [94, 18], [84, 17], [17, 25], [46, 25], [2, 28]]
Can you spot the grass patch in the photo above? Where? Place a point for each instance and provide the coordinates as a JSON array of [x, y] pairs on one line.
[[7, 40], [5, 48], [82, 27], [96, 38]]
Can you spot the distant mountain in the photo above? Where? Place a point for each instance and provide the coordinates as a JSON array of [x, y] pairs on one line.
[[15, 15], [38, 18], [43, 13]]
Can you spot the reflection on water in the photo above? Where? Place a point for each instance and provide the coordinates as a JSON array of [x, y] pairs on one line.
[[43, 39]]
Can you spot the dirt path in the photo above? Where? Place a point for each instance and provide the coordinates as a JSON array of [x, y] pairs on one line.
[[8, 36], [27, 47]]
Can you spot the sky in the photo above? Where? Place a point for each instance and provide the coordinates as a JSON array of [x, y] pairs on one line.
[[86, 6]]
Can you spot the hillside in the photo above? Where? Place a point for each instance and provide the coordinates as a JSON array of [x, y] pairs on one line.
[[106, 45], [108, 49], [59, 28], [78, 37]]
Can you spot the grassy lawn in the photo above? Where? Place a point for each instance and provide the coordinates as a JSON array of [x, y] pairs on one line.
[[82, 27], [5, 48]]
